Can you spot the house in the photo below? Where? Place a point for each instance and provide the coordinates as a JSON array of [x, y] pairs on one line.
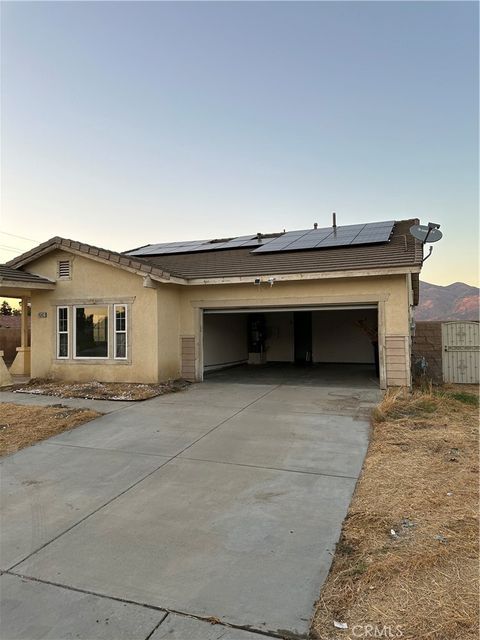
[[334, 295]]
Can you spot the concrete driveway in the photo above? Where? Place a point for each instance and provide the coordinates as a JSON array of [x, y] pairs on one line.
[[223, 501]]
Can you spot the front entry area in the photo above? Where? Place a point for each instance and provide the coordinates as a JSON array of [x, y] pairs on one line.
[[324, 346]]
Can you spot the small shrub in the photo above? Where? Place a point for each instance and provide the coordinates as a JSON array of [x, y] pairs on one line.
[[466, 398]]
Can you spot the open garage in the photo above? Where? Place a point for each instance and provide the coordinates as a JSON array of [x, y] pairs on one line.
[[326, 344]]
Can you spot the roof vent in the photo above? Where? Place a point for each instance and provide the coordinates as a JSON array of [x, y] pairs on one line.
[[64, 268], [315, 225]]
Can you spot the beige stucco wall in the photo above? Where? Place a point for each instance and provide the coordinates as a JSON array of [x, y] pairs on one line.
[[391, 288], [90, 281], [390, 292], [168, 327], [162, 315]]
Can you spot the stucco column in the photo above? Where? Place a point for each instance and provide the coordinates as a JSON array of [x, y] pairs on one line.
[[21, 364], [24, 325], [5, 377]]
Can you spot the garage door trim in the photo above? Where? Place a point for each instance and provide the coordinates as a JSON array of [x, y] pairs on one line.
[[259, 309]]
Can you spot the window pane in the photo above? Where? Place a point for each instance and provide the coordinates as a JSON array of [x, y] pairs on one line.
[[91, 325], [63, 345], [62, 319], [120, 318], [121, 345]]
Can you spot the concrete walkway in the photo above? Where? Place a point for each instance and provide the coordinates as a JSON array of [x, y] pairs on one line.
[[102, 406], [224, 501]]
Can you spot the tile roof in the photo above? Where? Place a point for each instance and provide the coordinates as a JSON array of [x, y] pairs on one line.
[[16, 275], [401, 251], [117, 259]]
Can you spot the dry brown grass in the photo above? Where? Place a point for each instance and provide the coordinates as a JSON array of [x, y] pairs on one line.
[[22, 426], [95, 390], [420, 479]]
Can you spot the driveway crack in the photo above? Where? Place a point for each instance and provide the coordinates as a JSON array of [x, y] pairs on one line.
[[165, 610]]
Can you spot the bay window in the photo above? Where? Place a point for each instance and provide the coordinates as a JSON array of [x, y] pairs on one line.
[[92, 332]]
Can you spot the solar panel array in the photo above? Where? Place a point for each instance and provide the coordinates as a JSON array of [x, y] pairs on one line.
[[354, 234], [196, 245]]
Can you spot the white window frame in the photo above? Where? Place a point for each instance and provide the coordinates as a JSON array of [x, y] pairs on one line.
[[115, 332], [67, 332], [74, 348]]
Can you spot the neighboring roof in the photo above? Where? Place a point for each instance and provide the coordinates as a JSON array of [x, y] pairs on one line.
[[401, 251], [117, 259], [17, 276]]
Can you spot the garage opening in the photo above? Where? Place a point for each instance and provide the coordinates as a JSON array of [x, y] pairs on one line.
[[325, 344]]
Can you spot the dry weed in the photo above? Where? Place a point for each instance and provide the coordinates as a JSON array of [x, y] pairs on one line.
[[95, 390], [408, 554], [22, 426]]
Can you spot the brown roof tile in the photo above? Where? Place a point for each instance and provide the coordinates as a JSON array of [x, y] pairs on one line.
[[114, 257], [17, 275], [402, 251]]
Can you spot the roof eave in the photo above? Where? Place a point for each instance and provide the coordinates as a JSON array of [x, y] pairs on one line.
[[319, 275], [25, 284]]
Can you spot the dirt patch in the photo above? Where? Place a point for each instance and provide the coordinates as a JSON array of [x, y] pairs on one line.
[[100, 390], [407, 560], [22, 426]]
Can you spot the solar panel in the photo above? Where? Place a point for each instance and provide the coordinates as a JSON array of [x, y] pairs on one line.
[[281, 242], [374, 232], [168, 247], [354, 234], [196, 245]]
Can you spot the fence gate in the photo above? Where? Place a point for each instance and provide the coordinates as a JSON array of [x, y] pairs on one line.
[[460, 352]]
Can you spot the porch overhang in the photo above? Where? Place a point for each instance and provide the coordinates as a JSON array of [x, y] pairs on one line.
[[15, 283], [13, 289]]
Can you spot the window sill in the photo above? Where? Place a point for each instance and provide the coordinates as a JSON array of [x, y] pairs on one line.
[[91, 361]]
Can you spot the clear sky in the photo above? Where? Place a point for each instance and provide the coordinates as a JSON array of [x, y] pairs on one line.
[[130, 123]]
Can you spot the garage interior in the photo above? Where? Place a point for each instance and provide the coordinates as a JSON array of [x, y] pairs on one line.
[[329, 345]]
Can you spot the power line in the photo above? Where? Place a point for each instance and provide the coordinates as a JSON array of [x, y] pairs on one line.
[[14, 249], [12, 235]]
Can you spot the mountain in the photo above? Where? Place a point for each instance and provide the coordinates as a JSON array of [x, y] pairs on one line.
[[457, 301]]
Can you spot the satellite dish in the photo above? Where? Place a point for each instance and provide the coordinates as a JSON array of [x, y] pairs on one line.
[[426, 233]]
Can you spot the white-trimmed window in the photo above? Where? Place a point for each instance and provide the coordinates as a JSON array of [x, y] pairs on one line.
[[120, 331], [91, 332], [63, 342]]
